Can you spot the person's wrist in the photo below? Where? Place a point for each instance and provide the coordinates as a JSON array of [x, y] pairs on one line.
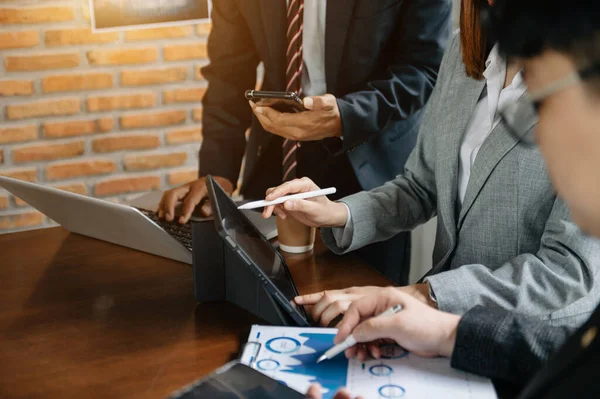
[[448, 337], [339, 214]]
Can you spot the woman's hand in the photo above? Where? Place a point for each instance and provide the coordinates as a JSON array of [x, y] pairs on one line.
[[417, 327], [325, 306], [313, 212]]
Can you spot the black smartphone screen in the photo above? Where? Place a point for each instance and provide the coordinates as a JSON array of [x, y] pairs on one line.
[[281, 101]]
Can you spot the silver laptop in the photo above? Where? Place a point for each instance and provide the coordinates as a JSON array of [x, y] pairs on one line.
[[135, 226]]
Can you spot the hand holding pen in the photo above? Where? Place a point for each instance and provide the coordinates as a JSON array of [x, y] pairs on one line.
[[417, 328]]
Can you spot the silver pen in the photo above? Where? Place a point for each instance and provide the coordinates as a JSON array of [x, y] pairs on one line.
[[351, 341]]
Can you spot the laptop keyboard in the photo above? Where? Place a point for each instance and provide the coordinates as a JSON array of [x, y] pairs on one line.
[[181, 232]]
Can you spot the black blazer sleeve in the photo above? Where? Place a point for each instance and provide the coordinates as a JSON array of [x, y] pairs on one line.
[[498, 344], [415, 52], [232, 70]]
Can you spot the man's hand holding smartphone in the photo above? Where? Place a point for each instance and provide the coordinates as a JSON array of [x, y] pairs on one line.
[[320, 120]]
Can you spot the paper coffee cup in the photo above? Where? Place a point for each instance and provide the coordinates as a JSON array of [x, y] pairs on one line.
[[295, 237]]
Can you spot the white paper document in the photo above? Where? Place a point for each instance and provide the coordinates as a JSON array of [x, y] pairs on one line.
[[289, 355]]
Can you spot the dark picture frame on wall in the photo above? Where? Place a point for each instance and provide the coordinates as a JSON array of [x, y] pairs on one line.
[[107, 15]]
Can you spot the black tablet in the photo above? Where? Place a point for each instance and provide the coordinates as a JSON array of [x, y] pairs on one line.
[[255, 251], [235, 381]]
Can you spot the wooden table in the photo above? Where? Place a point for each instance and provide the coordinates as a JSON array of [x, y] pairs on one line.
[[84, 318]]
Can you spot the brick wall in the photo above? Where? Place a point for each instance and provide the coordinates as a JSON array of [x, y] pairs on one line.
[[105, 114]]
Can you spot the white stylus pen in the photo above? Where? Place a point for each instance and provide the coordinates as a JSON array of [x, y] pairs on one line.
[[350, 341], [281, 200]]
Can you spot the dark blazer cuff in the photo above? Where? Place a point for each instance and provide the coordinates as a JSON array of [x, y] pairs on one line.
[[351, 123], [477, 349]]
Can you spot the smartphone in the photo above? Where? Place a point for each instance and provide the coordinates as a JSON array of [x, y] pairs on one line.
[[278, 100], [234, 381]]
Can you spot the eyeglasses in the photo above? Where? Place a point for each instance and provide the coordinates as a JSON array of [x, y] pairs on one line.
[[520, 116]]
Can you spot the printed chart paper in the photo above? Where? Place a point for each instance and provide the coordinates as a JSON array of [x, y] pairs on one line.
[[289, 355]]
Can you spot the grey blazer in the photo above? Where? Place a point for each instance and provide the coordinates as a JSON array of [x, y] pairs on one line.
[[511, 245]]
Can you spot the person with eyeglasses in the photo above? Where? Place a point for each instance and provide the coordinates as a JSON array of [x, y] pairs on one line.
[[504, 239], [560, 52]]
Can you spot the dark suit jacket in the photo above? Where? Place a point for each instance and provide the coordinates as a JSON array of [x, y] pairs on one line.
[[501, 345], [382, 58]]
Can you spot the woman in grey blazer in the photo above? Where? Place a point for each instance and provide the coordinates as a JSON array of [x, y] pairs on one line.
[[504, 239]]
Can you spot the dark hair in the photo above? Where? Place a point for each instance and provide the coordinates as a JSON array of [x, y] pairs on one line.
[[525, 28], [473, 38]]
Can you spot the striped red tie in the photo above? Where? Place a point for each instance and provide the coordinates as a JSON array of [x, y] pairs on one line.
[[293, 74]]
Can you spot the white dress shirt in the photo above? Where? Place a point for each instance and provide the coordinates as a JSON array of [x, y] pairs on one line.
[[313, 48], [484, 120], [485, 116]]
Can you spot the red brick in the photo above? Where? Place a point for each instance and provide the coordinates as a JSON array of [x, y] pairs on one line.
[[127, 185], [28, 174], [180, 52], [126, 142], [16, 88], [197, 114], [19, 39], [69, 170], [128, 101], [76, 128], [181, 136], [193, 94], [154, 161], [35, 15], [21, 220], [69, 106], [27, 63], [123, 56], [18, 134], [47, 152], [165, 118], [73, 36], [76, 82], [153, 76]]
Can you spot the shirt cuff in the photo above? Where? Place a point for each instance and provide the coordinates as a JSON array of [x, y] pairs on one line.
[[343, 235]]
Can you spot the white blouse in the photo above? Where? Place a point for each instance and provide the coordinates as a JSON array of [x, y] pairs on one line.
[[486, 117]]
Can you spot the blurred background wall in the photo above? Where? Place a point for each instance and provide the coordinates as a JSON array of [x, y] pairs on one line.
[[105, 114]]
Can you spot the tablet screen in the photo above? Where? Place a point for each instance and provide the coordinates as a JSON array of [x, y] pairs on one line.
[[246, 236], [239, 381]]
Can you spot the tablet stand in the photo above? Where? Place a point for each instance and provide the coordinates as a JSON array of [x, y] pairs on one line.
[[220, 275]]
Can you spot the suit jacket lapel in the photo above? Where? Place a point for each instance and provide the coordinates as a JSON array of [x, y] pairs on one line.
[[337, 22], [467, 93], [494, 148]]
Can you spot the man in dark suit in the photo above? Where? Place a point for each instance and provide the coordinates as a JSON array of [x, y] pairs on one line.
[[367, 68], [560, 48]]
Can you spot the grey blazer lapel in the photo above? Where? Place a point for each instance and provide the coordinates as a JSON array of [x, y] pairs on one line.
[[494, 148], [466, 93]]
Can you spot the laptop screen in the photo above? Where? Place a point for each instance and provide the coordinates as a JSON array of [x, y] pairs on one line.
[[261, 252]]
